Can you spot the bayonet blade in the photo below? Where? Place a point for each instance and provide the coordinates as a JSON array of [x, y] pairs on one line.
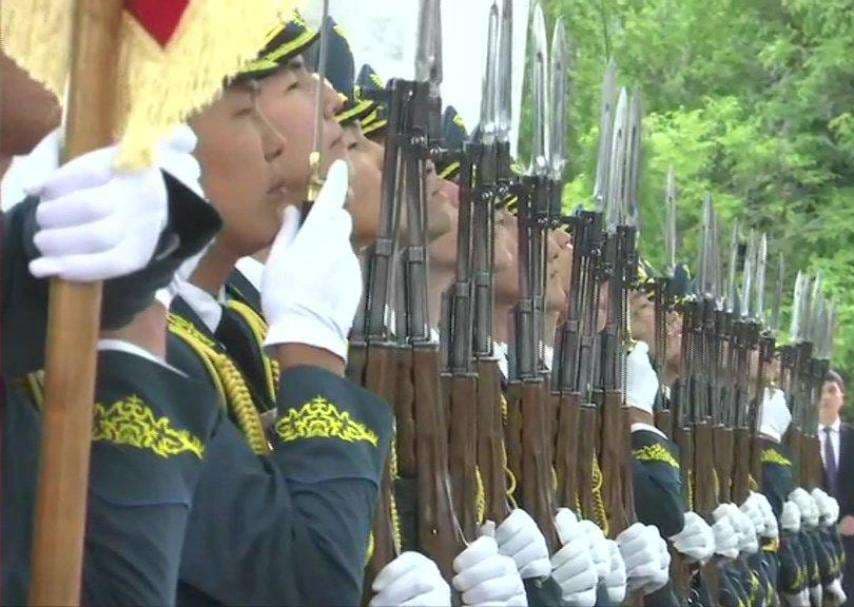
[[539, 86], [814, 310], [557, 96], [778, 295], [489, 95], [797, 305], [706, 282], [614, 204], [748, 275], [314, 157], [670, 222], [633, 160], [759, 286], [505, 73], [606, 126], [428, 55], [732, 274]]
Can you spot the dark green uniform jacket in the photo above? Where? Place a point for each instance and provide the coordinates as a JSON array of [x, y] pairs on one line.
[[150, 430], [290, 527]]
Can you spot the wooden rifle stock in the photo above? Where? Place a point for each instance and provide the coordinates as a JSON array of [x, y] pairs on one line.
[[566, 450], [613, 457], [724, 444], [404, 411], [705, 494], [793, 440], [587, 459], [537, 478], [490, 439], [439, 534], [463, 451], [741, 477], [381, 379]]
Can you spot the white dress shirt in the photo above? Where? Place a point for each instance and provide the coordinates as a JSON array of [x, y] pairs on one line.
[[834, 440]]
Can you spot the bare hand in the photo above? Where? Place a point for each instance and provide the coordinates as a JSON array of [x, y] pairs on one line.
[[846, 525]]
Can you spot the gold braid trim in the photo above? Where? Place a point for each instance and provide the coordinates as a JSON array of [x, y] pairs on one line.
[[131, 422], [480, 500], [35, 383], [772, 545], [690, 481], [259, 329], [320, 418], [395, 516], [228, 379], [751, 482], [655, 453], [600, 514], [504, 410], [770, 456], [511, 478]]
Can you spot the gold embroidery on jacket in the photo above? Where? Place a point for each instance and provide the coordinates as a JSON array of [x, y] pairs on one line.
[[320, 418], [770, 456], [132, 422], [655, 453]]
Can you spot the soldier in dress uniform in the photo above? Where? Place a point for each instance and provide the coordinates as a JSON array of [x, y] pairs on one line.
[[152, 425]]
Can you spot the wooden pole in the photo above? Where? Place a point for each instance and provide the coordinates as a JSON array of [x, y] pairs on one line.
[[72, 331]]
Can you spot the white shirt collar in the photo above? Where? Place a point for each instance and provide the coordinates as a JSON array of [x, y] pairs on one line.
[[203, 304], [252, 270], [120, 345]]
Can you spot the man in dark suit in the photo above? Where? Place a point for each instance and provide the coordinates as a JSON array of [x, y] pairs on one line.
[[837, 443]]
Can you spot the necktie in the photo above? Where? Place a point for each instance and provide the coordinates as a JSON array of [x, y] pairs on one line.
[[829, 461]]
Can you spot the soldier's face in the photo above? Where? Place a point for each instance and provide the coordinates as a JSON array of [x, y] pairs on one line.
[[438, 204], [507, 278], [562, 265], [287, 101], [365, 184], [555, 293], [242, 170]]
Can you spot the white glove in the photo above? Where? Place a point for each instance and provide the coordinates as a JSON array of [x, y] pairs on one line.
[[771, 529], [598, 547], [790, 520], [753, 509], [616, 580], [828, 507], [807, 505], [747, 540], [312, 281], [413, 580], [726, 537], [816, 594], [519, 538], [641, 379], [774, 415], [572, 565], [96, 223], [802, 599], [485, 576], [835, 592], [641, 549], [696, 540]]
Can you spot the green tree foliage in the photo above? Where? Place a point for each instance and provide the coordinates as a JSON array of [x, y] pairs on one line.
[[749, 100]]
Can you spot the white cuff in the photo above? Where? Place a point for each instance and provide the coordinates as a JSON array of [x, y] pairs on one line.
[[641, 426]]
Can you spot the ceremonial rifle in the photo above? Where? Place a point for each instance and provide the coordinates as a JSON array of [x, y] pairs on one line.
[[527, 390], [493, 181], [619, 273], [790, 371], [578, 351], [467, 300], [819, 364], [664, 303], [405, 368], [766, 348], [315, 160]]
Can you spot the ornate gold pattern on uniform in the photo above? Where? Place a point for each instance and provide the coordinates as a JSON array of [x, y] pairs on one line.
[[229, 382], [480, 498], [132, 422], [771, 456], [320, 418], [655, 453], [751, 483], [772, 545]]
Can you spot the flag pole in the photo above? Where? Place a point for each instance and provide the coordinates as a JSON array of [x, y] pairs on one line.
[[72, 330]]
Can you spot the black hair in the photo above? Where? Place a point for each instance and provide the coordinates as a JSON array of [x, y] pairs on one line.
[[834, 377]]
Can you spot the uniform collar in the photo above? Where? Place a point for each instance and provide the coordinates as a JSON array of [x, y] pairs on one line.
[[203, 304]]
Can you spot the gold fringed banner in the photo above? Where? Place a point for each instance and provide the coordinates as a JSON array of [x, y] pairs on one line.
[[157, 87]]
